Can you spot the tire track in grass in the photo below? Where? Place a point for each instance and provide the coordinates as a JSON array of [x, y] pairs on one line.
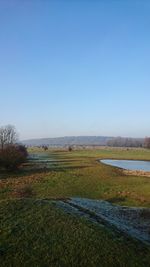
[[134, 222]]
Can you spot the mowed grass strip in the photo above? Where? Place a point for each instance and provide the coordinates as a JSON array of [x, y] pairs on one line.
[[36, 233]]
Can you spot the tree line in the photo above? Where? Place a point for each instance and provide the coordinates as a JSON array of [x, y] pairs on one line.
[[129, 142], [125, 142]]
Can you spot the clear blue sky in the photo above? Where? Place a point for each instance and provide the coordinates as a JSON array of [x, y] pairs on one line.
[[75, 67]]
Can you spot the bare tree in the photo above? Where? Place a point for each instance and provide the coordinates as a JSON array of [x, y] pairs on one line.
[[147, 142], [8, 135]]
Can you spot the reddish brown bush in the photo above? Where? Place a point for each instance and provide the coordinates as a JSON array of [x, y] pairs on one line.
[[12, 156]]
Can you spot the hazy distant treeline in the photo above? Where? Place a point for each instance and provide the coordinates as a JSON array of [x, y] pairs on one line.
[[125, 142]]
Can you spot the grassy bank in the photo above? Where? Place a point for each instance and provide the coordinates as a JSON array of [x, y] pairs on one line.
[[36, 233]]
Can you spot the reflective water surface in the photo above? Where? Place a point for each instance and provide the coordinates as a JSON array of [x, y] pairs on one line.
[[128, 164]]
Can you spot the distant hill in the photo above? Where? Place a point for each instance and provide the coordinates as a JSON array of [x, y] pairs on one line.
[[69, 140], [86, 141]]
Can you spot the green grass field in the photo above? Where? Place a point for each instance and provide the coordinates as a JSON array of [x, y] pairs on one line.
[[36, 233]]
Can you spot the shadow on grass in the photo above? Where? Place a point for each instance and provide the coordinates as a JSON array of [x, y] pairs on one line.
[[52, 168], [22, 172], [116, 199]]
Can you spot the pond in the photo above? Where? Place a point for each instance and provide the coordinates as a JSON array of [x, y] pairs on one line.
[[134, 165]]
